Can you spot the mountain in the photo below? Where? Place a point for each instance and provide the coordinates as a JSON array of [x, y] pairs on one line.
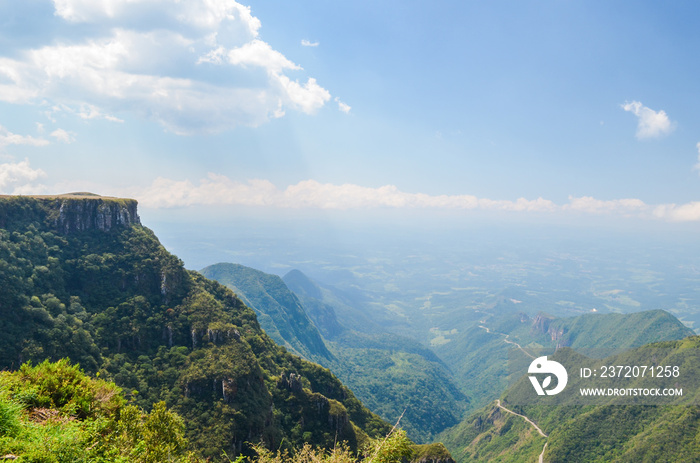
[[393, 375], [333, 310], [81, 278], [478, 354], [615, 330], [610, 429], [319, 303], [279, 311]]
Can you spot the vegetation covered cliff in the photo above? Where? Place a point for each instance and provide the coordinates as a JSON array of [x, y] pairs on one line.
[[81, 278], [69, 213], [279, 311], [393, 375]]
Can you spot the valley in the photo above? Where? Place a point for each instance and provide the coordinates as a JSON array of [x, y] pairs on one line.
[[437, 341]]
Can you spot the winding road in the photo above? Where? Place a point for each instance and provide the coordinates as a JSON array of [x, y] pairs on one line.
[[539, 430], [508, 341], [498, 401]]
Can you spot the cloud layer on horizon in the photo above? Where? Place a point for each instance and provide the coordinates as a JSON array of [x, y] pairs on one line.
[[20, 178], [221, 190]]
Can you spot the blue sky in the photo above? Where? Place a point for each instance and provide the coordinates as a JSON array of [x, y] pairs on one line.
[[535, 110]]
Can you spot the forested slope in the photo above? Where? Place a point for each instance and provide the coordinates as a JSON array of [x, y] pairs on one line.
[[81, 278]]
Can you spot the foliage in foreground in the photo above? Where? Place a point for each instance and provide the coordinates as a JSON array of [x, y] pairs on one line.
[[53, 412], [395, 448]]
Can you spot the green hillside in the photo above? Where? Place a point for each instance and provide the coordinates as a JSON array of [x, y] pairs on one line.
[[619, 330], [333, 311], [610, 429], [81, 278], [279, 311], [392, 375], [478, 354]]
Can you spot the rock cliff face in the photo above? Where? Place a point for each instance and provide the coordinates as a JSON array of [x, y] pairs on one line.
[[542, 324], [76, 215], [69, 213]]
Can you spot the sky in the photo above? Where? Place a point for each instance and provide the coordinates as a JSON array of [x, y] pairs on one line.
[[580, 111]]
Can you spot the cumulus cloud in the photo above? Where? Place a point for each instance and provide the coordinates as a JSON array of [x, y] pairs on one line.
[[308, 43], [650, 123], [342, 106], [8, 138], [195, 66], [63, 136], [259, 53], [18, 178], [201, 14]]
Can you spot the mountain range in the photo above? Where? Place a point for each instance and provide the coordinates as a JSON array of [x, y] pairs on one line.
[[474, 364], [246, 357]]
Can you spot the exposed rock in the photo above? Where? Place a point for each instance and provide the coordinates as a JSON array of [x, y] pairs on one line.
[[76, 215], [292, 382], [542, 324], [69, 213]]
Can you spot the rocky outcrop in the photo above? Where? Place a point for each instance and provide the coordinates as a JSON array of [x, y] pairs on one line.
[[291, 383], [76, 215], [540, 324], [544, 325], [70, 213]]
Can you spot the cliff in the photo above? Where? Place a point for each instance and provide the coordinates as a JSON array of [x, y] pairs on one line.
[[68, 213], [543, 325], [279, 311], [78, 280]]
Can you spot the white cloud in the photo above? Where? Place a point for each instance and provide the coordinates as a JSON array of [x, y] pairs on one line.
[[697, 166], [259, 53], [308, 97], [87, 111], [17, 178], [650, 123], [199, 66], [308, 43], [219, 189], [8, 138], [202, 14], [689, 212], [625, 207], [63, 136], [342, 106], [214, 56]]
